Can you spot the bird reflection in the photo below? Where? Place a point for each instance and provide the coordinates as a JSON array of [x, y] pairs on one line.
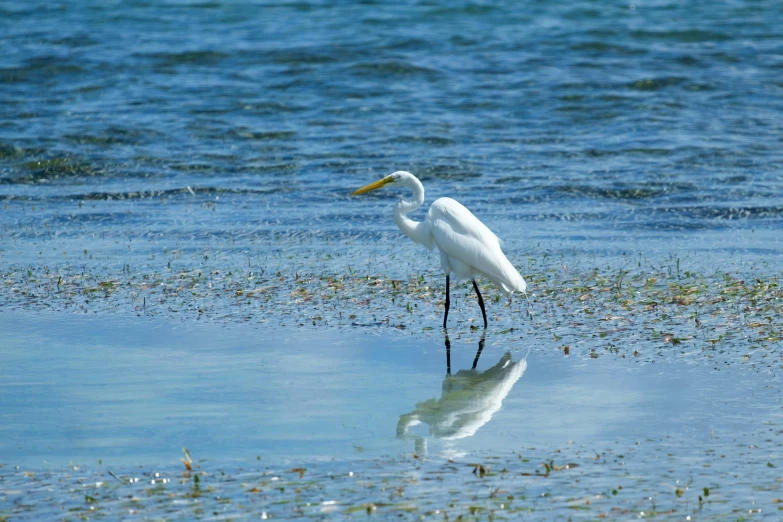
[[468, 401]]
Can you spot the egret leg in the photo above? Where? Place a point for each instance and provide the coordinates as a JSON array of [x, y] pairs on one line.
[[481, 348], [448, 302], [481, 303], [448, 354]]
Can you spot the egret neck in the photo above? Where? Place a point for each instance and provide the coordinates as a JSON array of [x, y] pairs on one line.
[[418, 231]]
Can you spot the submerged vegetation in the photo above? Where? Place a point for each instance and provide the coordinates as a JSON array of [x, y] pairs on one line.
[[647, 314], [638, 313], [573, 482]]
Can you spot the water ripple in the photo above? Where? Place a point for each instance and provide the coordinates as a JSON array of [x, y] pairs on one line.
[[273, 114]]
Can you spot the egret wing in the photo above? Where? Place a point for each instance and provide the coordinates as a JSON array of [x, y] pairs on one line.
[[461, 220], [460, 234]]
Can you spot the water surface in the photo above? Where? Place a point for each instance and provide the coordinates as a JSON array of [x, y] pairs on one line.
[[181, 264], [612, 129], [89, 389]]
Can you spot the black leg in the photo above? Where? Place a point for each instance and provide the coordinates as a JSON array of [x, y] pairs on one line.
[[481, 303], [481, 348], [446, 315], [448, 353]]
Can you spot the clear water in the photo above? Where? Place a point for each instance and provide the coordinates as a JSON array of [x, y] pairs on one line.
[[86, 389], [217, 143], [296, 424], [605, 129]]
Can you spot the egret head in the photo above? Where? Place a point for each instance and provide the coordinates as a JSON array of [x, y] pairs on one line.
[[391, 178]]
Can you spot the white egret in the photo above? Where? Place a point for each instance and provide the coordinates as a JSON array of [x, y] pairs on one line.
[[467, 247]]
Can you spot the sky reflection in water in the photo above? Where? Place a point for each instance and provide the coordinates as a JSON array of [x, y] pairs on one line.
[[89, 389]]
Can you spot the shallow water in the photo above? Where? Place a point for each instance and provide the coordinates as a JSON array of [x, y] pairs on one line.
[[181, 264], [88, 389], [295, 423]]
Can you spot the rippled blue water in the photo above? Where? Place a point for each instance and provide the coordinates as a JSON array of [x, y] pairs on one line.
[[654, 127]]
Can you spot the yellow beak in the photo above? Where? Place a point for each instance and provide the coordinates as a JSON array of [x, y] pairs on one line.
[[373, 186]]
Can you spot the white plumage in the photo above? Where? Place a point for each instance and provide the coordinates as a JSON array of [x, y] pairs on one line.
[[467, 247], [468, 401]]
